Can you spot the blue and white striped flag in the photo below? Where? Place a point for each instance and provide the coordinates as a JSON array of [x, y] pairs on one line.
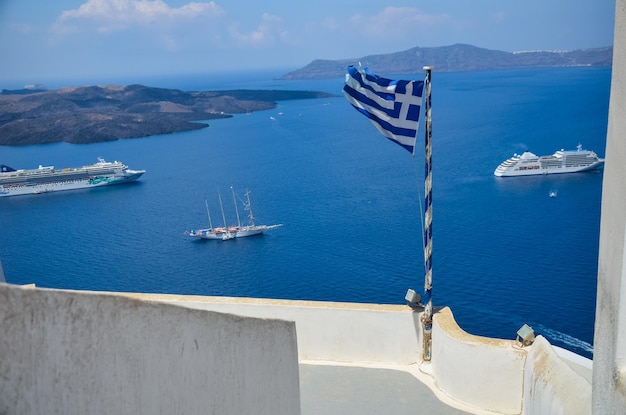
[[392, 106]]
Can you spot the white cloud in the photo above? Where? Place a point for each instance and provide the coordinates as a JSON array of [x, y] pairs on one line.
[[205, 28], [117, 15], [267, 32], [392, 21]]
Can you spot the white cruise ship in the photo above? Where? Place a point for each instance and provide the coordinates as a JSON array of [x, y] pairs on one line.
[[48, 179], [563, 161]]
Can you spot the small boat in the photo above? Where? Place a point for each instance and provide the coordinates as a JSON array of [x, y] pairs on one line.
[[552, 194], [231, 232], [562, 161]]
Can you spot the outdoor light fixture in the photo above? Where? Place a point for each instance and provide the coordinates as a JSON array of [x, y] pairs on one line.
[[412, 298], [526, 335]]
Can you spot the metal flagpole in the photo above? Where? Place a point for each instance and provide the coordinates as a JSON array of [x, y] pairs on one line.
[[427, 317]]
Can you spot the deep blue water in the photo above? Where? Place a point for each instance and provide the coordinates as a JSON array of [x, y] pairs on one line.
[[505, 253]]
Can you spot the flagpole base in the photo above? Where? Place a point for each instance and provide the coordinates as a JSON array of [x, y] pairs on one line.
[[427, 328]]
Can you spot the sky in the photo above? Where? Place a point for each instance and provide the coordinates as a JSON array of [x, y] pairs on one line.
[[116, 38]]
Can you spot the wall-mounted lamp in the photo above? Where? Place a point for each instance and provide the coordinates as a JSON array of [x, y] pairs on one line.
[[412, 298], [526, 335]]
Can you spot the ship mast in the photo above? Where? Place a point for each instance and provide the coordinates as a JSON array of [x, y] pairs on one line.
[[222, 207], [236, 209], [208, 213], [249, 207]]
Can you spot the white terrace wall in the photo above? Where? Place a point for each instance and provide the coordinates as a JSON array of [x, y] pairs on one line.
[[70, 352], [64, 352], [551, 386], [482, 372], [488, 374], [338, 332], [500, 376]]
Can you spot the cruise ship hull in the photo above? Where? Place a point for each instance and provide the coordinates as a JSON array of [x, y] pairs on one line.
[[562, 161], [543, 171], [47, 179]]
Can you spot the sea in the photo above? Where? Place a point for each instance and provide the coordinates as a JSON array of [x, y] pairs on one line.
[[350, 203]]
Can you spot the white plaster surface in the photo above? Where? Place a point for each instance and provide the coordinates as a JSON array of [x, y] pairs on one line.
[[339, 332], [551, 386], [71, 352], [481, 372], [87, 353], [609, 368]]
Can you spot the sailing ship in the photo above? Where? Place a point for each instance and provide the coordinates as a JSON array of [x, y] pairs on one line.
[[226, 232]]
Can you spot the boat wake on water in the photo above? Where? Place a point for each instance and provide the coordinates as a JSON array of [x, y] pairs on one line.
[[569, 342]]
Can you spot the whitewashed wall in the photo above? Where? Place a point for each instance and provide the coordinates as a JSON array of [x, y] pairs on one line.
[[72, 352], [609, 375], [339, 332], [85, 353], [551, 386], [482, 372]]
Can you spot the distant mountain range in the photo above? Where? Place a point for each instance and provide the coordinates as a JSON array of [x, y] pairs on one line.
[[455, 58]]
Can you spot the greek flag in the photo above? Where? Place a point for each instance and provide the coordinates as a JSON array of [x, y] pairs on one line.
[[392, 106]]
